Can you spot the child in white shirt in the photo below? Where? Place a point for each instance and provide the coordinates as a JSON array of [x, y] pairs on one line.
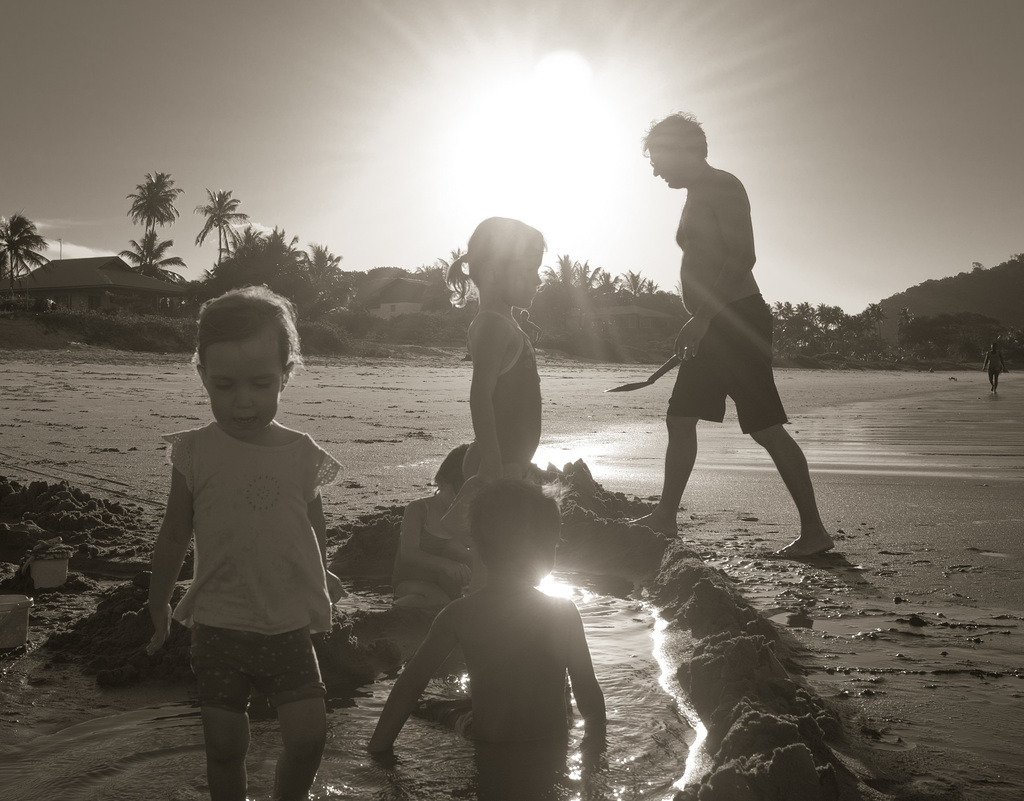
[[247, 489]]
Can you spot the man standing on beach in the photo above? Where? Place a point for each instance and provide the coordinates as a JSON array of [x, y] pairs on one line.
[[726, 346]]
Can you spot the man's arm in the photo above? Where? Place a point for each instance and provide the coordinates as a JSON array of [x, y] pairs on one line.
[[439, 642]]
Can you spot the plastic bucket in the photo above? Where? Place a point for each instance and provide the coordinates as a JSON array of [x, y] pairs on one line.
[[48, 572], [14, 620]]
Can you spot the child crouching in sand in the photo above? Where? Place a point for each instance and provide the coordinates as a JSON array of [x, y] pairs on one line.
[[432, 568], [518, 643], [247, 488]]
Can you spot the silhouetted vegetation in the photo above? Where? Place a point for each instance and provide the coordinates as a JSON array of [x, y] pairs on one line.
[[996, 292], [583, 311]]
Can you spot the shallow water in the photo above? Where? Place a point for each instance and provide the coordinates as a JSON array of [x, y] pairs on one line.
[[158, 752]]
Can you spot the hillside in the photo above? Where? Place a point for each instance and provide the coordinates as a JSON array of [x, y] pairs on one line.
[[997, 292]]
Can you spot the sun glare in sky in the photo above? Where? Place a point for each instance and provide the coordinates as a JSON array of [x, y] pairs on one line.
[[540, 146]]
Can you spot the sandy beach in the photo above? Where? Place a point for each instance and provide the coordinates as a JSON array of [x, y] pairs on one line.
[[911, 629]]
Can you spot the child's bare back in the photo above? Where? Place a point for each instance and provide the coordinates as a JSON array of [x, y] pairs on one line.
[[518, 645]]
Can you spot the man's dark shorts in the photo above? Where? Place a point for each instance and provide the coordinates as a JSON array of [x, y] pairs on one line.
[[229, 663], [734, 359]]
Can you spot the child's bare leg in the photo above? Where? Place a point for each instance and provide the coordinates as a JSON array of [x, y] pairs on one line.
[[792, 466], [304, 732], [420, 594], [680, 455], [227, 740]]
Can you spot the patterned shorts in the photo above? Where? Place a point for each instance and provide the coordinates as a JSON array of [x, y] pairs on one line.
[[229, 663]]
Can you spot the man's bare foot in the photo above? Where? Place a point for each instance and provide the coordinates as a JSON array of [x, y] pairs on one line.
[[808, 545], [659, 523]]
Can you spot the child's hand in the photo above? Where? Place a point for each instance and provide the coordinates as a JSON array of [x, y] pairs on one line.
[[161, 628], [457, 572], [335, 589]]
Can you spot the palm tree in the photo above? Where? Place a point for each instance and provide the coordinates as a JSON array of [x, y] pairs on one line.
[[20, 244], [633, 283], [328, 287], [604, 284], [148, 257], [246, 243], [283, 251], [875, 315], [585, 277], [153, 201], [322, 263], [221, 213], [564, 275], [905, 320], [830, 321]]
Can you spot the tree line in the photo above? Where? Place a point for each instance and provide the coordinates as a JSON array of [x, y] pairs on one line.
[[825, 332], [567, 306]]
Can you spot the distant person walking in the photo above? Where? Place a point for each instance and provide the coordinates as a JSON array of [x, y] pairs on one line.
[[995, 365], [726, 346]]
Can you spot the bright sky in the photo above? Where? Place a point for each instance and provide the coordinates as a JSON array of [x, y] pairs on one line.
[[881, 142]]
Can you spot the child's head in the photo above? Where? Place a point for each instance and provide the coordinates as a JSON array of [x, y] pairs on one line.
[[515, 526], [500, 251], [247, 346], [241, 313], [450, 472]]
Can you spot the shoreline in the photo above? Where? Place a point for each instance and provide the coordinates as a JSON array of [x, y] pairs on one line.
[[893, 545]]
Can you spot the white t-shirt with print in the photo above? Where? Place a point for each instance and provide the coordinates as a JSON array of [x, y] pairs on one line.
[[257, 562]]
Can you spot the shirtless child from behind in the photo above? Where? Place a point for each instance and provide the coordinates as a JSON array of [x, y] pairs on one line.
[[518, 642]]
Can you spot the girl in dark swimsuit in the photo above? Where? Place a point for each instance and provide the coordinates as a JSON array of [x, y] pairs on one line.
[[503, 260]]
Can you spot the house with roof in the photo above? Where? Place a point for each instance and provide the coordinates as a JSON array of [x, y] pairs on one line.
[[96, 284], [398, 296]]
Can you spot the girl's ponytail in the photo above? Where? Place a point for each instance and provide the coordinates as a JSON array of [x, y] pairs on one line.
[[496, 243], [457, 280]]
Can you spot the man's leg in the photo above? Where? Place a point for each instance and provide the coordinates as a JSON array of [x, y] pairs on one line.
[[680, 454], [792, 466]]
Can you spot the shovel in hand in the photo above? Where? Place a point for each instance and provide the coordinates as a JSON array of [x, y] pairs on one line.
[[654, 377]]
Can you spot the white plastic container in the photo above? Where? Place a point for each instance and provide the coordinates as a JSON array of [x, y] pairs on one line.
[[14, 620], [48, 572]]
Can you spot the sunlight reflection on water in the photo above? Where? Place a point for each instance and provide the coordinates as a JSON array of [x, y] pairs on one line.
[[158, 752]]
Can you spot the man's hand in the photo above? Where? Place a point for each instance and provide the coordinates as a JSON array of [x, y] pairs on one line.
[[690, 336]]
